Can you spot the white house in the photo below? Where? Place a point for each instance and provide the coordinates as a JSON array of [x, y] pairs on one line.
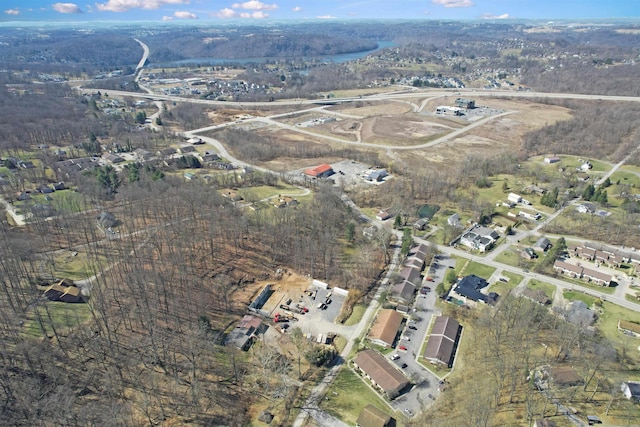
[[631, 390], [586, 166], [513, 197]]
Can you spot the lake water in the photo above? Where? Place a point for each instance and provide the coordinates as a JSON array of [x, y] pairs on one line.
[[337, 59]]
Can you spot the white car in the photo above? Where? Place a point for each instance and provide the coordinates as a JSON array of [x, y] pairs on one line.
[[395, 357]]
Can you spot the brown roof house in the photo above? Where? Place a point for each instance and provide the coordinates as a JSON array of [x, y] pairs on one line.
[[442, 341], [370, 416], [243, 335], [385, 328], [381, 373]]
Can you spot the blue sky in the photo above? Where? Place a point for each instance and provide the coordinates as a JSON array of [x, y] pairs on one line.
[[256, 10]]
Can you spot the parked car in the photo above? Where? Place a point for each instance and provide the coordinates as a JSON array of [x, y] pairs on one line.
[[405, 338], [408, 412], [403, 366], [429, 279], [395, 357], [413, 327], [403, 348]]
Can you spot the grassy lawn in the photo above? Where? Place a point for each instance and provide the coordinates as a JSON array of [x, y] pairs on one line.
[[75, 267], [502, 288], [265, 191], [625, 178], [579, 296], [608, 322], [348, 395], [63, 316], [547, 288], [587, 285], [509, 257], [356, 315], [513, 277], [478, 269]]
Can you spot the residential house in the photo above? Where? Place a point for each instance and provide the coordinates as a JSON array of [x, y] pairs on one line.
[[414, 262], [597, 277], [321, 171], [528, 253], [209, 157], [166, 152], [385, 327], [142, 155], [64, 293], [550, 160], [421, 224], [631, 390], [112, 158], [468, 290], [185, 149], [370, 416], [411, 275], [479, 238], [381, 373], [454, 220], [59, 186], [106, 220], [243, 335], [377, 175], [443, 341], [578, 313], [515, 198], [403, 292], [586, 208], [586, 166], [629, 328], [383, 215], [567, 269], [542, 245], [538, 296]]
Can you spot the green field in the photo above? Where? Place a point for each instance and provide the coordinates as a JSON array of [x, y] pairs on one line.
[[608, 324], [513, 277], [356, 315], [547, 288], [579, 296], [509, 257], [348, 395], [478, 269], [59, 315]]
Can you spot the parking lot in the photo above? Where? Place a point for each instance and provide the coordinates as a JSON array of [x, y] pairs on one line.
[[426, 384]]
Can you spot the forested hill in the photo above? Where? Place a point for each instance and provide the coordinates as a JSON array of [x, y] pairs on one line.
[[234, 45]]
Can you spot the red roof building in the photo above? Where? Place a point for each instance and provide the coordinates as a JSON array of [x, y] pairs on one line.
[[321, 171]]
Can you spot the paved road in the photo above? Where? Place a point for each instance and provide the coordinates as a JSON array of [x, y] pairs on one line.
[[143, 60], [311, 405]]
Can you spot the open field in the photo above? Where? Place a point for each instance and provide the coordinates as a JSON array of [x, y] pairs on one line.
[[56, 315], [349, 394]]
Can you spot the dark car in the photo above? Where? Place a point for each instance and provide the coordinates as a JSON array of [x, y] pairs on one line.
[[404, 365], [413, 327]]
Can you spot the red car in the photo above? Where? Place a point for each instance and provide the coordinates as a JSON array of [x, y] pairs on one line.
[[429, 279], [403, 348]]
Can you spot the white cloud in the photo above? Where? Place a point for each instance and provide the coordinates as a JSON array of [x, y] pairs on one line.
[[66, 8], [254, 15], [453, 3], [490, 16], [297, 9], [167, 18], [124, 5], [254, 5], [12, 12], [326, 17], [185, 15], [226, 13]]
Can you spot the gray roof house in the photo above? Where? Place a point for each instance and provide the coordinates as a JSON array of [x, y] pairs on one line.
[[542, 245]]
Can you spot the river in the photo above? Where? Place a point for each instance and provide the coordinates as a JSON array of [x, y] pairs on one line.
[[337, 59]]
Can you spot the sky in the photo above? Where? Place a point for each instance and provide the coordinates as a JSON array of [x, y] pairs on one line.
[[256, 10]]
